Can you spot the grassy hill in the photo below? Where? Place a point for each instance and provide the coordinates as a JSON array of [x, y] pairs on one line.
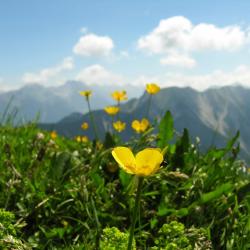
[[72, 195]]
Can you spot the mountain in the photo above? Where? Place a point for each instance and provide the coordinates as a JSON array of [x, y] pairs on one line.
[[54, 103], [214, 115]]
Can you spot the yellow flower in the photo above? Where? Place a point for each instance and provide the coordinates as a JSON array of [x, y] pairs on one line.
[[84, 139], [140, 126], [120, 95], [119, 126], [78, 138], [112, 110], [145, 163], [85, 126], [86, 93], [152, 88], [53, 135], [99, 145]]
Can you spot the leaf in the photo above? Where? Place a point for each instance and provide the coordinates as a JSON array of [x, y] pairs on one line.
[[61, 163], [109, 141], [124, 178], [166, 130], [185, 140], [222, 189], [97, 179]]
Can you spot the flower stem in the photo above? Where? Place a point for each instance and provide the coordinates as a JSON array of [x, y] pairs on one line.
[[134, 218], [149, 104], [92, 119], [119, 106]]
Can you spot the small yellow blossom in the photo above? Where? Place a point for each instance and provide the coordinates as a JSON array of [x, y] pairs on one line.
[[84, 139], [145, 163], [112, 110], [119, 126], [53, 135], [86, 93], [85, 126], [99, 145], [78, 138], [152, 88], [120, 95], [140, 126]]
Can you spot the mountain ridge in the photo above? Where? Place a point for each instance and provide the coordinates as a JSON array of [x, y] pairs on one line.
[[214, 115]]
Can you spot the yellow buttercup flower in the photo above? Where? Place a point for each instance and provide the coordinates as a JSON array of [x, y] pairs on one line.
[[81, 138], [119, 126], [112, 110], [84, 139], [78, 138], [145, 163], [152, 88], [86, 93], [120, 95], [85, 126], [140, 126], [53, 135]]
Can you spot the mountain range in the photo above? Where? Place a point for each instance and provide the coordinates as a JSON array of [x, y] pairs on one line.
[[54, 103], [214, 115]]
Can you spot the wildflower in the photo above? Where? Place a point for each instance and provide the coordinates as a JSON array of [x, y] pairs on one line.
[[78, 138], [145, 163], [84, 139], [85, 126], [120, 95], [119, 126], [53, 135], [112, 110], [140, 126], [152, 88], [86, 93], [40, 136], [99, 145]]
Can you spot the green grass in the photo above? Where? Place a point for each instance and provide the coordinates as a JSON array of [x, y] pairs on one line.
[[67, 195]]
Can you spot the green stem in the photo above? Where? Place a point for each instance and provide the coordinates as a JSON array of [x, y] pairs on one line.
[[97, 225], [134, 218], [119, 106], [149, 104], [92, 119]]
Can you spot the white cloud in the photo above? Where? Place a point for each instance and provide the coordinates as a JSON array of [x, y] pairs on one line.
[[218, 78], [47, 74], [178, 35], [93, 45], [97, 74], [176, 59]]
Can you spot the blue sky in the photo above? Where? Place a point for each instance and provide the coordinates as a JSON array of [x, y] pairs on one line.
[[198, 44]]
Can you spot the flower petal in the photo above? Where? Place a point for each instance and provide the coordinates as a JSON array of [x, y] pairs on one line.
[[125, 158], [148, 161]]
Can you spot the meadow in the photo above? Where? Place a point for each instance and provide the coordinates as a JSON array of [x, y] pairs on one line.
[[76, 193]]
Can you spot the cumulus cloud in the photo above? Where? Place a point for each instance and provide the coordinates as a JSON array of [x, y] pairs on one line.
[[97, 74], [93, 45], [218, 78], [47, 74], [176, 59], [178, 34]]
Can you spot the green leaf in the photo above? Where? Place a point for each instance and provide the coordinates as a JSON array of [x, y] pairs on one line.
[[124, 178], [222, 189], [166, 130], [109, 141]]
